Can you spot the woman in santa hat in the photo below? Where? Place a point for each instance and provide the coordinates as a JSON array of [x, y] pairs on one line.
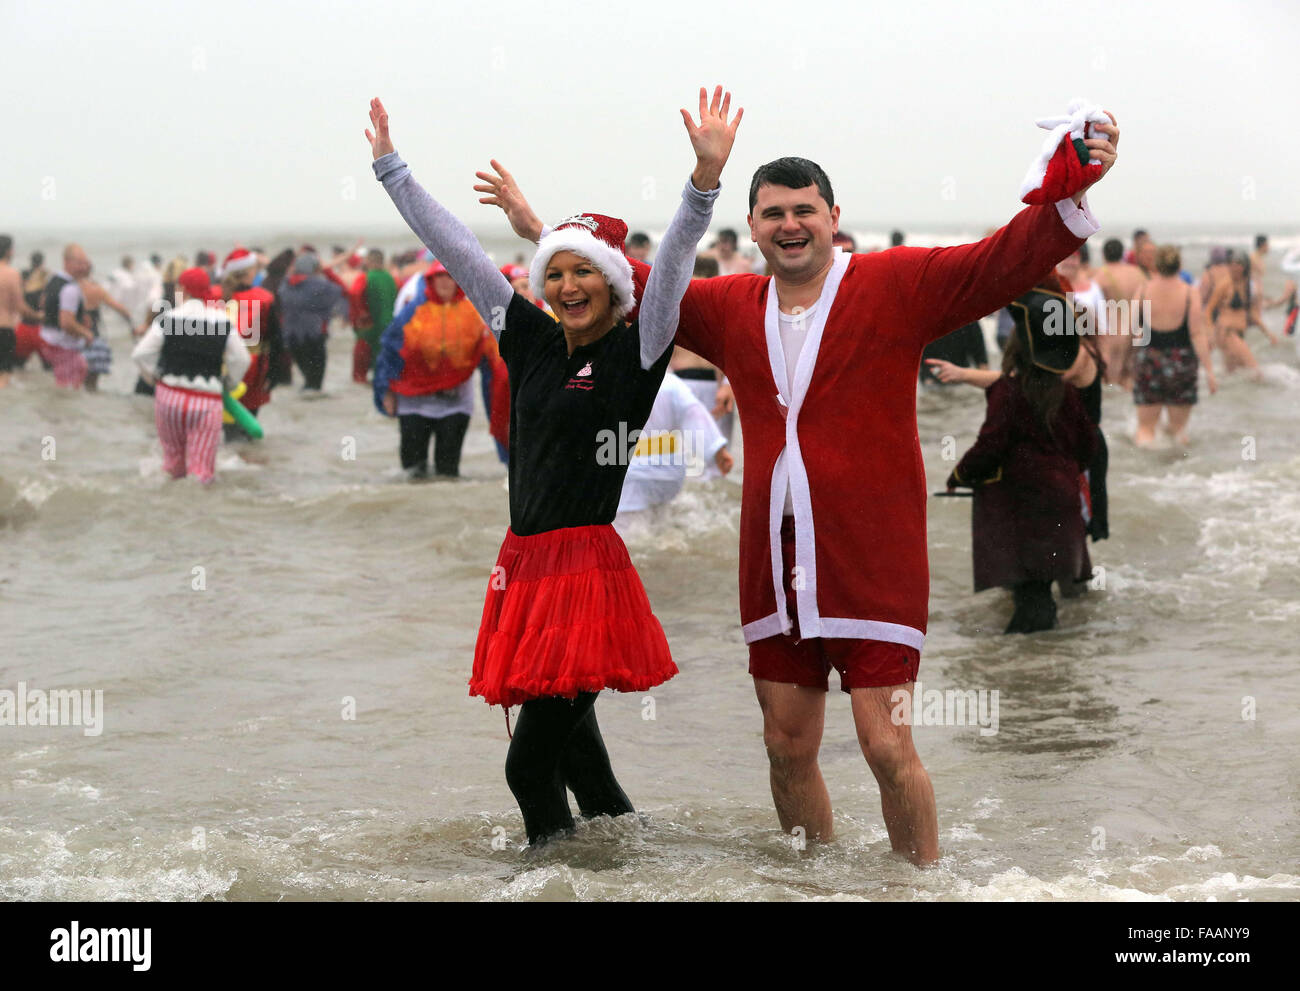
[[566, 615]]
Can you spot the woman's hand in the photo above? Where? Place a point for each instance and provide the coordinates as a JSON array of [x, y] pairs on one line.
[[1210, 381], [946, 371], [380, 143], [712, 138], [724, 460], [504, 192]]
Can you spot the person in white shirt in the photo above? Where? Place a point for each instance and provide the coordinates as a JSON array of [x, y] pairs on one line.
[[678, 436]]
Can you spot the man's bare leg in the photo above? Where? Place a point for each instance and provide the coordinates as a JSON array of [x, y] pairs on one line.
[[906, 796], [793, 717]]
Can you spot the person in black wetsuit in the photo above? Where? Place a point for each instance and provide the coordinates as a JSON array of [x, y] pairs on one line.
[[565, 614]]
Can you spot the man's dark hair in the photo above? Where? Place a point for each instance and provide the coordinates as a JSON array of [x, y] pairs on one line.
[[376, 256], [1113, 250], [896, 238], [1261, 240], [1085, 256], [156, 260], [638, 239], [705, 267], [6, 242], [38, 259], [1139, 233], [793, 173], [728, 235]]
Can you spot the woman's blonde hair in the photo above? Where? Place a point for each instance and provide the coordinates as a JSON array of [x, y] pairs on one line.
[[1169, 260]]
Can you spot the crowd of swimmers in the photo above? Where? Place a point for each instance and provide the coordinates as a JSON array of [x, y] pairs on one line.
[[574, 353]]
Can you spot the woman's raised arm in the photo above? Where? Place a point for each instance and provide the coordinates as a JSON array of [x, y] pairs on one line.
[[712, 139], [451, 242]]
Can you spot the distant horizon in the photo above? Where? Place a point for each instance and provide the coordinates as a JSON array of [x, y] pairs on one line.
[[925, 110]]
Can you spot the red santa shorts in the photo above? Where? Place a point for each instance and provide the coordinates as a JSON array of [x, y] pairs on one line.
[[808, 662]]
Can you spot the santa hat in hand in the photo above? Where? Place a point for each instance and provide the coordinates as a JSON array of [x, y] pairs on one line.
[[238, 260], [1062, 168], [600, 240]]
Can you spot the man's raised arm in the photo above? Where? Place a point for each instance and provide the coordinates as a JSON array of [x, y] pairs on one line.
[[943, 288]]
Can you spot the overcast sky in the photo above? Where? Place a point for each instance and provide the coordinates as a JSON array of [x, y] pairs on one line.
[[139, 113]]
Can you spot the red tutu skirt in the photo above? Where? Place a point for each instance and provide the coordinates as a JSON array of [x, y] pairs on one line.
[[566, 613]]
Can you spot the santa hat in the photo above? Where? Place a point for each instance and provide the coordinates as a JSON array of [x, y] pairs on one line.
[[1063, 167], [512, 272], [238, 260], [599, 239], [194, 282]]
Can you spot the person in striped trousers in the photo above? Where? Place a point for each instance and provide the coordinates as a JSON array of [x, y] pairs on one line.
[[183, 353]]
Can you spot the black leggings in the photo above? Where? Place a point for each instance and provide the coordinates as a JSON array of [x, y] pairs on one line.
[[1035, 607], [448, 433], [309, 353], [557, 744]]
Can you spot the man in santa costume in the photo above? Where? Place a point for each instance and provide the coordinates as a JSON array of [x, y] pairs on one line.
[[823, 357]]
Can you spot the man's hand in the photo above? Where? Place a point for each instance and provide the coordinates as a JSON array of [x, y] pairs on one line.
[[380, 143], [390, 403], [712, 138], [724, 461], [724, 401], [504, 192], [1103, 150]]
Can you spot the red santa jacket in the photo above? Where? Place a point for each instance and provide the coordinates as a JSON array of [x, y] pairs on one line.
[[844, 432], [252, 316]]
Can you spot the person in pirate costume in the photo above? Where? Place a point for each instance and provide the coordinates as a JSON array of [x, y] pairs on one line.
[[565, 614], [189, 353], [1027, 465]]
